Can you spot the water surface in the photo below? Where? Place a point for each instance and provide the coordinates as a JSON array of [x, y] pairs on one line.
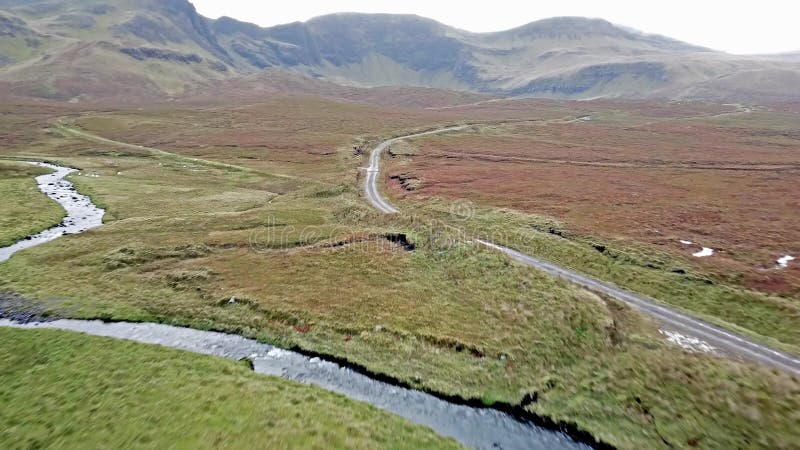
[[82, 214]]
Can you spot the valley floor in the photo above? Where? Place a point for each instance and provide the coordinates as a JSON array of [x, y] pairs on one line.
[[262, 203]]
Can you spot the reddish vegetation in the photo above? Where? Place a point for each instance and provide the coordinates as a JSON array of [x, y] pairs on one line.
[[303, 328], [649, 172], [731, 182]]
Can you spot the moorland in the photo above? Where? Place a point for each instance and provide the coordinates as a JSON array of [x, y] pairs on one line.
[[230, 160]]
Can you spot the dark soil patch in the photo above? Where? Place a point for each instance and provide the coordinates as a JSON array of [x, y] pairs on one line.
[[407, 182], [402, 240]]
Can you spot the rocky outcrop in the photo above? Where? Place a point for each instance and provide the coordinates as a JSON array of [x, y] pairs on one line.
[[184, 16], [229, 26], [282, 46], [342, 39], [173, 21], [151, 30], [143, 53], [252, 54]]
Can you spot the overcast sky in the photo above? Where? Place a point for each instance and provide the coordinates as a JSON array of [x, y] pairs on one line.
[[735, 26]]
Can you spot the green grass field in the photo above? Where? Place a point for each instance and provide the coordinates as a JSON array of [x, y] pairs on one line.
[[67, 390]]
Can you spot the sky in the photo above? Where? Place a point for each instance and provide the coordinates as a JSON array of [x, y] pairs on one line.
[[734, 26]]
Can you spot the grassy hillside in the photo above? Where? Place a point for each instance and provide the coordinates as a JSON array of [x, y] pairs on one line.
[[116, 49]]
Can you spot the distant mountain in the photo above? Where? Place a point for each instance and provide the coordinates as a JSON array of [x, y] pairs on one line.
[[74, 49], [83, 49]]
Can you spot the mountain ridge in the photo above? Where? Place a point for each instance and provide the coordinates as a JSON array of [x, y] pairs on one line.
[[86, 49]]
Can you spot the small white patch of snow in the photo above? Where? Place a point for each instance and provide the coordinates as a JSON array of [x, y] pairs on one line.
[[704, 253], [784, 262], [688, 343], [687, 242]]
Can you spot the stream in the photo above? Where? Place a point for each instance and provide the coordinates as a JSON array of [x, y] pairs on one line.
[[82, 214]]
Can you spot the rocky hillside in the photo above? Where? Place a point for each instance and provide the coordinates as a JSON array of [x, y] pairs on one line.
[[84, 49], [107, 49]]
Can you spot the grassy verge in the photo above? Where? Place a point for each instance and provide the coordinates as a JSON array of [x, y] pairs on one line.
[[770, 318], [24, 210], [66, 390]]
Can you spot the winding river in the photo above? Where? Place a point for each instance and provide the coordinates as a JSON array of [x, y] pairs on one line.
[[82, 214], [480, 428]]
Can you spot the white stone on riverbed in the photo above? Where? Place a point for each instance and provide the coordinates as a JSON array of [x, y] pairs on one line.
[[277, 353]]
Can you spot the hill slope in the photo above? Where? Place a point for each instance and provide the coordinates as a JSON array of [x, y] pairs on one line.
[[151, 48]]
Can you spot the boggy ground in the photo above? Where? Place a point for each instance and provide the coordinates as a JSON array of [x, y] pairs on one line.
[[284, 231]]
